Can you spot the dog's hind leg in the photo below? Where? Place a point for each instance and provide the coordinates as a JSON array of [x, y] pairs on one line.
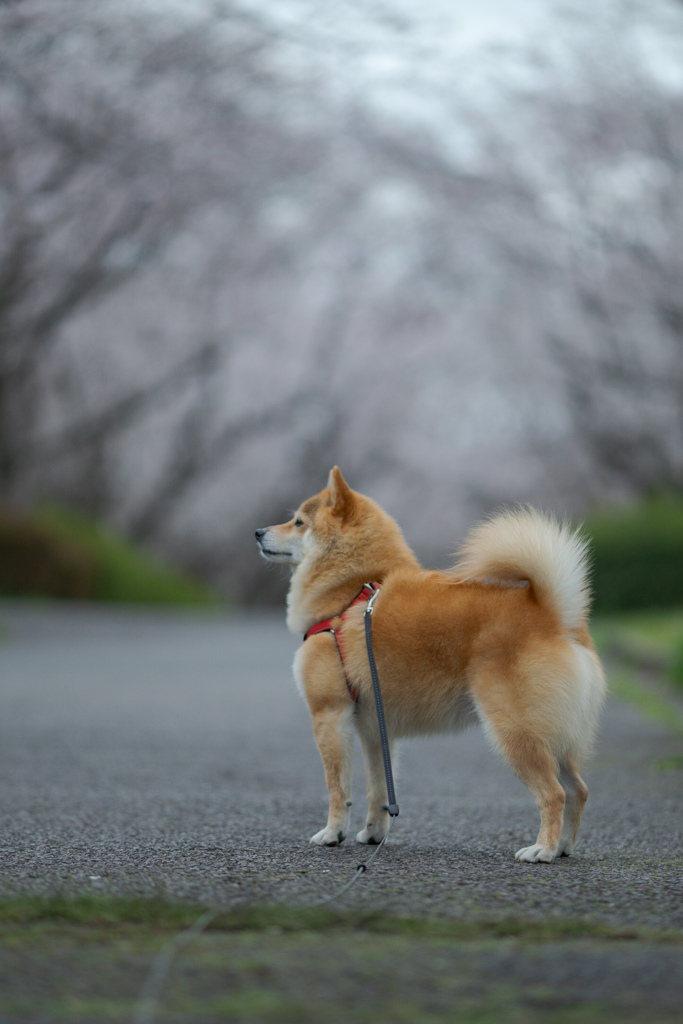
[[576, 792], [533, 762], [377, 821]]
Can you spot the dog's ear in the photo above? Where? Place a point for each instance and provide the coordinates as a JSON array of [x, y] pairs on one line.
[[341, 495]]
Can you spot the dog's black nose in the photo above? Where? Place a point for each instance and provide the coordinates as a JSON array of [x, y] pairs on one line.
[[259, 534]]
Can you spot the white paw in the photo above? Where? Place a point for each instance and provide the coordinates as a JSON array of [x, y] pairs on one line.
[[371, 834], [328, 837], [536, 853]]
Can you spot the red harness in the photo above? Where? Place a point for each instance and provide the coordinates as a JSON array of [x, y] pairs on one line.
[[325, 626]]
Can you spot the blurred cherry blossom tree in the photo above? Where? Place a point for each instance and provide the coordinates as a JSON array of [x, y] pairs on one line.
[[218, 278]]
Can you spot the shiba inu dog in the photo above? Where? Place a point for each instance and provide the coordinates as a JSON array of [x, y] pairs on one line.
[[501, 638]]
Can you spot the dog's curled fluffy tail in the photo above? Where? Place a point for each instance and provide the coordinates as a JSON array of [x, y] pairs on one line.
[[525, 544]]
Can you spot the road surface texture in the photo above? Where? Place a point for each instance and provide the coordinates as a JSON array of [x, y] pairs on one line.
[[169, 754]]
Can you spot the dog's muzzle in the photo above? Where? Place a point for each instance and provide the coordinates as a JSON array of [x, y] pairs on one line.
[[269, 555]]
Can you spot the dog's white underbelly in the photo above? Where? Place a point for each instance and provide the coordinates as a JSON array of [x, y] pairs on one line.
[[450, 717]]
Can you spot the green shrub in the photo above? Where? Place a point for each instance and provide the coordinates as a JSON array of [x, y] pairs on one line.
[[676, 668], [36, 561], [638, 555], [57, 552]]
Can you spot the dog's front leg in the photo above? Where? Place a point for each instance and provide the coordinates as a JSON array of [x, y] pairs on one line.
[[333, 729], [321, 678]]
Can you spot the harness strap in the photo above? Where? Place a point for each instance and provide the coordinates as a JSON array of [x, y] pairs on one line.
[[325, 626]]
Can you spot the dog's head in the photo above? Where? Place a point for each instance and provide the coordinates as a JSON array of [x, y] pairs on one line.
[[317, 526]]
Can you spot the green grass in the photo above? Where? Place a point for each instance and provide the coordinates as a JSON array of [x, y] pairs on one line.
[[59, 552], [87, 959], [645, 655], [102, 911], [647, 639], [670, 764], [308, 979], [625, 685], [656, 631], [159, 915]]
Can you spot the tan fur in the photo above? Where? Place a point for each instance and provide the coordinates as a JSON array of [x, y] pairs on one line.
[[502, 638]]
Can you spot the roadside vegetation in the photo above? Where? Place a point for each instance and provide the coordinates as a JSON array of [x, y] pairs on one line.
[[643, 655], [651, 641], [56, 552], [280, 964], [637, 556]]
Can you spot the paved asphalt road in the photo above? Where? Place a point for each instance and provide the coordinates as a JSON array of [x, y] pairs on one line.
[[167, 753]]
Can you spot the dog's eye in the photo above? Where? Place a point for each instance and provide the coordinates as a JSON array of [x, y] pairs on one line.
[[298, 522]]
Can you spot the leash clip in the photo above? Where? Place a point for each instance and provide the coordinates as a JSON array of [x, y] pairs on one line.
[[369, 609]]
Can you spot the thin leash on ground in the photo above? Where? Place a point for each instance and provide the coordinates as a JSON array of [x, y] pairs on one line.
[[150, 997], [360, 870]]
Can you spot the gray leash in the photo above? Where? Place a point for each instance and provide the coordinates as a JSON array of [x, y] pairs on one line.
[[360, 870], [391, 793]]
